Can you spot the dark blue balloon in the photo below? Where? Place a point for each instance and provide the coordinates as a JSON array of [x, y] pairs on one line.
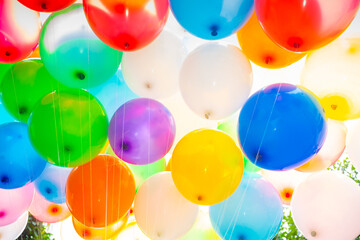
[[281, 127], [19, 163]]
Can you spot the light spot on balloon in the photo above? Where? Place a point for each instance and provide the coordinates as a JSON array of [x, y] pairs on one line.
[[352, 50]]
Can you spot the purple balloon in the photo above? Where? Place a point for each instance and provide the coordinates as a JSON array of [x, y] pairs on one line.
[[141, 131]]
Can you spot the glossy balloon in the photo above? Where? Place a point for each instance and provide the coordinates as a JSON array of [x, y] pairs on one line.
[[325, 206], [127, 25], [46, 5], [332, 74], [305, 25], [14, 203], [141, 131], [215, 80], [78, 118], [24, 85], [274, 135], [207, 166], [251, 36], [68, 41], [51, 183], [101, 192], [14, 230], [212, 19], [19, 162], [161, 211], [19, 31], [3, 70], [253, 212]]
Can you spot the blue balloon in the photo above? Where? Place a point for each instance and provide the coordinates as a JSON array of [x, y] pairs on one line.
[[281, 127], [19, 163], [253, 212], [5, 117], [213, 19], [51, 183]]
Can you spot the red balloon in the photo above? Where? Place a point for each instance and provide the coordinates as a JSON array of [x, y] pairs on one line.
[[127, 25], [305, 25], [46, 5]]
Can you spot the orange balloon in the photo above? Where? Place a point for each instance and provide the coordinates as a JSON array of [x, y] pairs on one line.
[[168, 166], [258, 47], [35, 53], [100, 192]]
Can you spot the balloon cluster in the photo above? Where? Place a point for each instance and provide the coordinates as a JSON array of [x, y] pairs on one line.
[[111, 121]]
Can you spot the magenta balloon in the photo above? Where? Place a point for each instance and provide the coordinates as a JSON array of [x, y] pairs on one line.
[[141, 131]]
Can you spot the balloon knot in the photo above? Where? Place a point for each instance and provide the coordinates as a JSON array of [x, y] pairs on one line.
[[7, 53], [2, 214], [148, 85], [5, 179], [333, 106], [22, 110], [207, 115], [43, 6], [214, 31], [313, 233], [80, 75]]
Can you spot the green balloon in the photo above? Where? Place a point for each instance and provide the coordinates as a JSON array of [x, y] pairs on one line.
[[68, 127], [23, 85], [3, 69]]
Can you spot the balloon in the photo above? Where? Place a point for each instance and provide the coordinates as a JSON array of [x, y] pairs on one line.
[[19, 31], [126, 25], [274, 134], [113, 93], [67, 40], [131, 231], [207, 166], [14, 230], [46, 5], [212, 19], [35, 54], [14, 203], [141, 131], [51, 183], [161, 211], [19, 162], [251, 36], [25, 84], [326, 207], [100, 193], [153, 71], [331, 151], [215, 80], [305, 25], [332, 74], [78, 118], [352, 145], [46, 211], [253, 212], [3, 70]]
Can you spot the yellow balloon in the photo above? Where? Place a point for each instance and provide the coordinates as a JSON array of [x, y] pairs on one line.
[[207, 166], [332, 73]]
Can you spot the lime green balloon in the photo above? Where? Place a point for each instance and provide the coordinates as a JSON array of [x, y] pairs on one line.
[[68, 127], [23, 85], [3, 69]]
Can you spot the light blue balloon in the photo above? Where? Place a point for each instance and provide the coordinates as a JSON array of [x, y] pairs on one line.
[[213, 19], [5, 117], [253, 212]]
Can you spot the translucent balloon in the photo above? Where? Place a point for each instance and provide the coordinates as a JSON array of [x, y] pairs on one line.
[[19, 31], [141, 131], [14, 203], [48, 212], [215, 80], [24, 85], [253, 212], [127, 25], [274, 134], [19, 162], [153, 71], [101, 192], [332, 74], [269, 55], [331, 151], [131, 231], [207, 166], [46, 5], [326, 207], [51, 183], [214, 19], [161, 211], [78, 118], [305, 25], [352, 145], [67, 40], [14, 230]]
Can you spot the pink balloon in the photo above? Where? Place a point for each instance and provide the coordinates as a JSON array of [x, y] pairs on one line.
[[14, 202]]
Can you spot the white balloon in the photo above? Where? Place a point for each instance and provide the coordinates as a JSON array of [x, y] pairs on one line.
[[153, 71], [326, 207], [215, 80], [14, 230], [352, 145], [161, 211]]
